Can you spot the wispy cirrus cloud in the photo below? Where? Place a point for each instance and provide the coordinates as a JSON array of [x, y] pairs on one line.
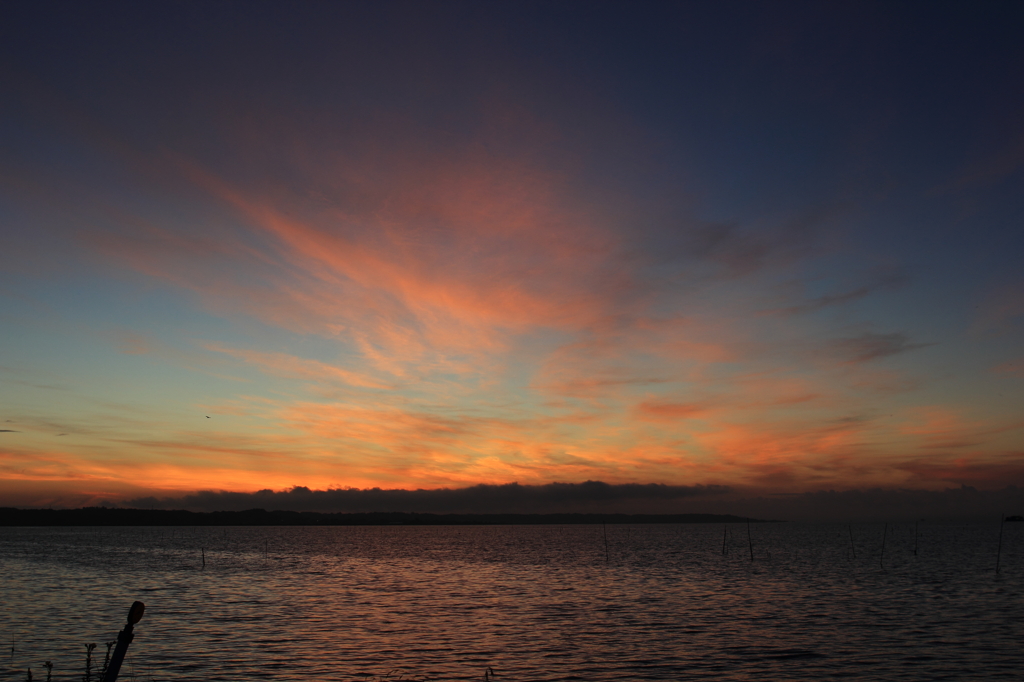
[[943, 428], [443, 313], [656, 410], [1013, 368], [290, 366], [870, 346], [878, 281], [1007, 468]]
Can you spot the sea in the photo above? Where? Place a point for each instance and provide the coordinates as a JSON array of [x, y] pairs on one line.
[[768, 601]]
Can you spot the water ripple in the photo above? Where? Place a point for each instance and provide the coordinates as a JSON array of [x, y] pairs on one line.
[[533, 603]]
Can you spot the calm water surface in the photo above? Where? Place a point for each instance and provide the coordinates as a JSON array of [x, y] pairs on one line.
[[658, 602]]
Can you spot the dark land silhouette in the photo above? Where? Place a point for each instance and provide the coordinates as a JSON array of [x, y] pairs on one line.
[[103, 516]]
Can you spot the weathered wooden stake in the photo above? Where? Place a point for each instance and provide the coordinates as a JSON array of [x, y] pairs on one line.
[[604, 529], [852, 547], [749, 541], [725, 534], [999, 550], [881, 558]]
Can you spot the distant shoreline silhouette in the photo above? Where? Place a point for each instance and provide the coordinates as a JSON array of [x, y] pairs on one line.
[[103, 516]]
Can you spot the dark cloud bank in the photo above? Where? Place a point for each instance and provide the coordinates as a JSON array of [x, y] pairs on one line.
[[963, 503]]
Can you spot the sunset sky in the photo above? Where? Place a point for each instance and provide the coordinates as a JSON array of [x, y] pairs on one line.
[[772, 247]]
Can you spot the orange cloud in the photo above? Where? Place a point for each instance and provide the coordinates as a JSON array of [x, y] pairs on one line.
[[986, 471], [941, 428], [472, 245], [475, 319], [654, 410], [282, 364], [1013, 368]]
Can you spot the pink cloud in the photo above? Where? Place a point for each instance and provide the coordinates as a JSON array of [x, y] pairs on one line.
[[493, 326], [942, 428], [468, 247], [654, 410], [282, 364], [1000, 307], [1013, 368], [987, 471]]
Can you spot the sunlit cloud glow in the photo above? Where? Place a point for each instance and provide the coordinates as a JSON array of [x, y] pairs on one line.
[[466, 271]]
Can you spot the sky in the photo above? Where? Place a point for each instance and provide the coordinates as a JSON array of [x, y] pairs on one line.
[[736, 250]]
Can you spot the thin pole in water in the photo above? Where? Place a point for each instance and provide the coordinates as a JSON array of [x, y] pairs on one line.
[[881, 558], [852, 547], [604, 529], [725, 534], [203, 554], [749, 541], [915, 538], [999, 551]]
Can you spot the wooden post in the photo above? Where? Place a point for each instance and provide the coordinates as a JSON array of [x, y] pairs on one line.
[[852, 547], [124, 638], [999, 550], [881, 558], [749, 541]]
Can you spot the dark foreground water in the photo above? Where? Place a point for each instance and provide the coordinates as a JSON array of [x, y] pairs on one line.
[[531, 602]]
